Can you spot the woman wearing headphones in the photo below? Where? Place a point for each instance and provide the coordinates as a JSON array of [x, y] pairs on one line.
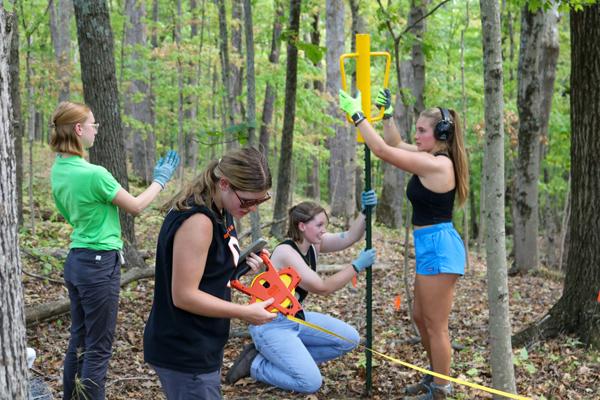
[[438, 162]]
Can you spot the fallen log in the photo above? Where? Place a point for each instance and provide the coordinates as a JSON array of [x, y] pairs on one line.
[[330, 268], [36, 314]]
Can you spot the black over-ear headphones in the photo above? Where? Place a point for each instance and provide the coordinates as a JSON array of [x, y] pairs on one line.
[[444, 129]]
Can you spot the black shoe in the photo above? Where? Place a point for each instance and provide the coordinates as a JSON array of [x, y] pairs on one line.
[[241, 367]]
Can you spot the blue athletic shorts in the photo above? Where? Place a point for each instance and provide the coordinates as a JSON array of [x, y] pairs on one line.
[[439, 250]]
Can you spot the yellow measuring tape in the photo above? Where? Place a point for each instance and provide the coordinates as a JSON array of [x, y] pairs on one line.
[[422, 370]]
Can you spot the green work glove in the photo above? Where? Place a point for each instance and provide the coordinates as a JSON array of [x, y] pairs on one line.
[[352, 106], [384, 99]]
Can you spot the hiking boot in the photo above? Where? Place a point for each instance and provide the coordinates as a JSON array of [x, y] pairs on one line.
[[434, 392], [419, 388], [241, 367]]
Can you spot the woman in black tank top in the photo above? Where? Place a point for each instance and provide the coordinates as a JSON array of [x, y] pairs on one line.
[[196, 255], [439, 164], [289, 353]]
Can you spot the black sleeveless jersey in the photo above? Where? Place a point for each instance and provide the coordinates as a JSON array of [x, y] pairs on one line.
[[174, 338], [429, 207], [309, 258]]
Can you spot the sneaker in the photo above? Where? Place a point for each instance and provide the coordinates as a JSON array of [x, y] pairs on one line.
[[419, 388], [241, 367], [433, 392], [440, 392]]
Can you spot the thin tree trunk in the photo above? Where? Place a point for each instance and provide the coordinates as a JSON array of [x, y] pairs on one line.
[[464, 127], [341, 171], [61, 12], [13, 369], [180, 101], [313, 190], [501, 361], [270, 92], [287, 134], [237, 74], [191, 112], [526, 204], [225, 66], [101, 94], [251, 99], [564, 226], [137, 103], [17, 115]]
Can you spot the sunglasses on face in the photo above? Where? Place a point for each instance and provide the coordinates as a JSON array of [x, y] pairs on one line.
[[247, 203]]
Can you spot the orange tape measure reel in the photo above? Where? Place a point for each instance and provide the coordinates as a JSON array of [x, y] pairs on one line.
[[279, 285]]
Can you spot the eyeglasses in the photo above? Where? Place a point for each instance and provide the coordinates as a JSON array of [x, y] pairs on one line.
[[247, 203], [95, 126]]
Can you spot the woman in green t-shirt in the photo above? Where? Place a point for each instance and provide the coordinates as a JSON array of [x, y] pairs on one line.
[[89, 198]]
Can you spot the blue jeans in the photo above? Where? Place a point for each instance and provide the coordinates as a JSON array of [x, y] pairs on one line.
[[289, 352], [93, 279], [179, 385]]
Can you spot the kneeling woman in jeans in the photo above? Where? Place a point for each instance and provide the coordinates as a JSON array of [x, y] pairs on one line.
[[285, 354]]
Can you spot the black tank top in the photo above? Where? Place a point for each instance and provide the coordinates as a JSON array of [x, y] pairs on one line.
[[429, 208], [174, 338], [309, 258]]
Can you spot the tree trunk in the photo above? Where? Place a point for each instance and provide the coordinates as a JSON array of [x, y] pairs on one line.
[[313, 189], [100, 93], [137, 104], [61, 12], [577, 310], [13, 368], [342, 144], [17, 115], [180, 101], [287, 134], [225, 65], [236, 61], [525, 206], [191, 100], [550, 216], [411, 76], [503, 377], [270, 92], [251, 99], [417, 12]]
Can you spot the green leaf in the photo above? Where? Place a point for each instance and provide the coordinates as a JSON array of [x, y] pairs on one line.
[[473, 372], [529, 367], [523, 354], [313, 52]]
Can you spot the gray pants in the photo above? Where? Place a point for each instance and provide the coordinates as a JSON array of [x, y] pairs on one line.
[[187, 386], [93, 280]]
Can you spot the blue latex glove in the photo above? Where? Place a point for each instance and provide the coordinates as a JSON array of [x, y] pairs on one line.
[[365, 259], [165, 167], [368, 199]]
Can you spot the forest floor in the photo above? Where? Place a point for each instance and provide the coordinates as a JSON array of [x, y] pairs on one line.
[[561, 368]]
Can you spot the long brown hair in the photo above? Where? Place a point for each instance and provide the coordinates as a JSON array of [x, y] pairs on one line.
[[455, 147], [246, 170], [302, 212], [63, 138]]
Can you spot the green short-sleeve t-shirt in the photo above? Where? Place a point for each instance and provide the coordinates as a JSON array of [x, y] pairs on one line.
[[83, 194]]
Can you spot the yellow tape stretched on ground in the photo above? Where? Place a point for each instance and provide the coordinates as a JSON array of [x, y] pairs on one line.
[[422, 370]]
